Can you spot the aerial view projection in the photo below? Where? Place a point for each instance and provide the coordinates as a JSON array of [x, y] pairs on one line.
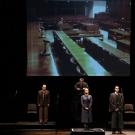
[[78, 37]]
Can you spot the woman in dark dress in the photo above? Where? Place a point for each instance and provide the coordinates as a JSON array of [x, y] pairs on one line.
[[86, 102]]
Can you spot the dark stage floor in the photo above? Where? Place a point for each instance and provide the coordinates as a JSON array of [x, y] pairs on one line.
[[28, 125], [34, 128], [53, 132]]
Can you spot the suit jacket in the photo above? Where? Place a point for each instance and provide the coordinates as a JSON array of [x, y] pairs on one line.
[[81, 86], [43, 99], [113, 103]]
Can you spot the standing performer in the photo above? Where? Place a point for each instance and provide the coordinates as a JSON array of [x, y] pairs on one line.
[[43, 101], [86, 102], [116, 107], [79, 89]]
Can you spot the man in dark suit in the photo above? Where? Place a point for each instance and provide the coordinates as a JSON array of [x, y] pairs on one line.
[[43, 101], [116, 106]]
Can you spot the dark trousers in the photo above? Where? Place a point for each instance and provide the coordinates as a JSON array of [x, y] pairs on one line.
[[117, 121], [43, 114]]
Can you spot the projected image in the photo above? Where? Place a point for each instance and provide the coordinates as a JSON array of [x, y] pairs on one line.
[[78, 38]]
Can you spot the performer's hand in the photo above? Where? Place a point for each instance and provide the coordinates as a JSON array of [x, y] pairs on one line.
[[48, 105], [38, 104], [86, 108], [78, 88]]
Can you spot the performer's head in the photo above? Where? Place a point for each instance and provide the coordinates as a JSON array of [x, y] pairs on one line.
[[117, 88], [86, 90], [44, 87], [81, 79]]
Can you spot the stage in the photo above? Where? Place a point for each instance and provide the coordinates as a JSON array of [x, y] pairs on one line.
[[52, 132], [34, 128], [28, 125]]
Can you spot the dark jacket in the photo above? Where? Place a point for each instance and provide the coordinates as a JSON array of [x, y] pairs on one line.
[[114, 103], [43, 99], [86, 102], [81, 86]]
